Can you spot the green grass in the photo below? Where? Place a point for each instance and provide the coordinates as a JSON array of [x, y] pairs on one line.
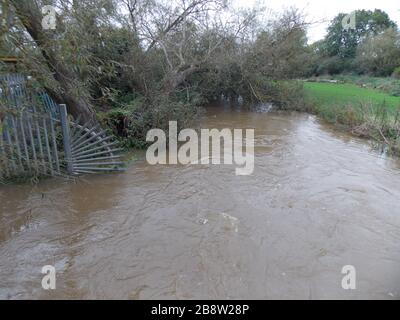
[[366, 112], [332, 94], [388, 85]]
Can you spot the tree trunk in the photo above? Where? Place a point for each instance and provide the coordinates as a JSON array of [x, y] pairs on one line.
[[31, 17], [177, 77]]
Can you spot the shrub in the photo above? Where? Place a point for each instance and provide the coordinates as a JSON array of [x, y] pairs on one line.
[[132, 121], [289, 95], [396, 73], [332, 65]]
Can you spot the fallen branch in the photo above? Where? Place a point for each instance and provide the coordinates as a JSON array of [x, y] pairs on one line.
[[383, 136]]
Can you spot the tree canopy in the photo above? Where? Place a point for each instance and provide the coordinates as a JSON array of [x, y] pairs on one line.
[[343, 42]]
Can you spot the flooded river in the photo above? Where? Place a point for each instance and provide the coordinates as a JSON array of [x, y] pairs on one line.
[[318, 200]]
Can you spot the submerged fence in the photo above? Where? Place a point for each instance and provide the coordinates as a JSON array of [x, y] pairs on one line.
[[38, 138]]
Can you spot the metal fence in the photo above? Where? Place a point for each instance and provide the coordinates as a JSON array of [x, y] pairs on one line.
[[38, 138], [29, 144]]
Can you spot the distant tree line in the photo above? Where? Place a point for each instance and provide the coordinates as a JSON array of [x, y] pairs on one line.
[[372, 47]]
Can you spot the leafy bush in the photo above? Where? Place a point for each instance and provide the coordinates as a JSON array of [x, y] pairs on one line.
[[396, 73], [289, 95], [333, 65], [132, 121], [379, 55]]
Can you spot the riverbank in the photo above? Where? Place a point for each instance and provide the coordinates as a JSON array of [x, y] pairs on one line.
[[365, 112]]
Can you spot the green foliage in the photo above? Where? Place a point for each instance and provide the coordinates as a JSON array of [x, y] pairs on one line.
[[379, 55], [286, 95], [132, 121], [371, 48], [396, 73], [343, 43], [332, 65]]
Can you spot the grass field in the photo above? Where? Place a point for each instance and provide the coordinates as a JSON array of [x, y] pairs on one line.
[[388, 85], [367, 112], [332, 94]]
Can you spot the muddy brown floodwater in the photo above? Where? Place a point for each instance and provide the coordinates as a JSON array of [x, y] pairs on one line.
[[318, 200]]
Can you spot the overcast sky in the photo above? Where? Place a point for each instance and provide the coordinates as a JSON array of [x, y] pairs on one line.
[[318, 10]]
